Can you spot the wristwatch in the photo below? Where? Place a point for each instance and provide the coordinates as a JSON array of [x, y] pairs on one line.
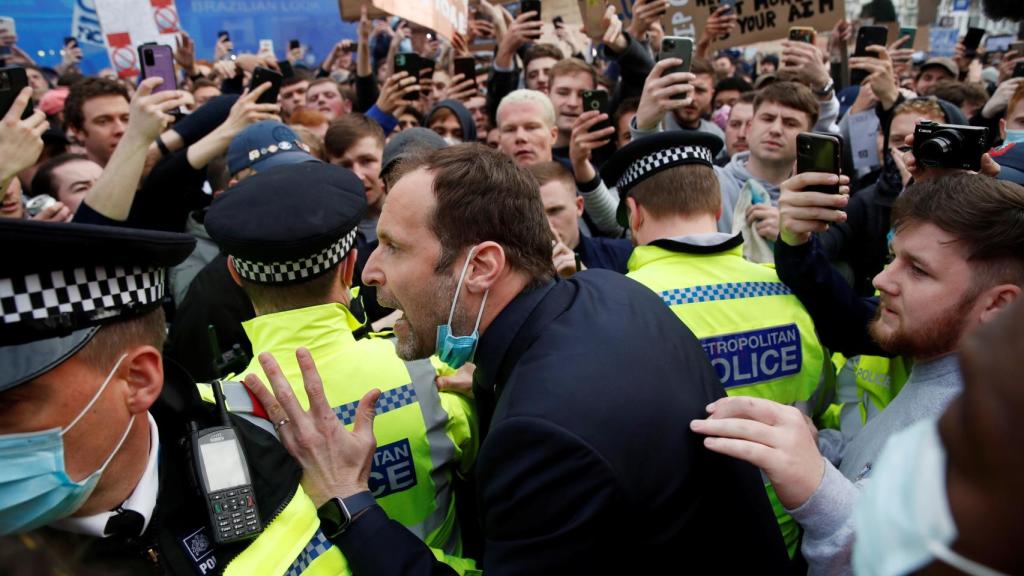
[[336, 514], [826, 90]]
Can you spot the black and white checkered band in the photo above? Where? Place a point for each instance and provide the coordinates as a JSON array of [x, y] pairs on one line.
[[62, 300], [296, 270], [663, 158]]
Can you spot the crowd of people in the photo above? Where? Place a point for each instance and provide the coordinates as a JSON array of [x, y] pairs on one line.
[[404, 321]]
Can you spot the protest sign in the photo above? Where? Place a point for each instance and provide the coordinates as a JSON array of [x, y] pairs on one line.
[[446, 17], [864, 128], [85, 23], [756, 20], [128, 23], [942, 41]]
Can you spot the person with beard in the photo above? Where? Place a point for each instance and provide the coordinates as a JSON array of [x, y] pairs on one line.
[[569, 481], [958, 263], [691, 115]]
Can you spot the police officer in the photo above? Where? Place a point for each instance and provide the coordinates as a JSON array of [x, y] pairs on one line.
[[92, 419], [757, 335], [290, 235]]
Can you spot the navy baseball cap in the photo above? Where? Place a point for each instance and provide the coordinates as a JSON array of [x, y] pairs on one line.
[[1010, 158], [265, 145]]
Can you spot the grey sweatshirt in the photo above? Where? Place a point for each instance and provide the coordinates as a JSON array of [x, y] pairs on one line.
[[827, 516], [731, 179]]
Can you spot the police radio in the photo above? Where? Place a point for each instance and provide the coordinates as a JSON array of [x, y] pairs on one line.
[[223, 478]]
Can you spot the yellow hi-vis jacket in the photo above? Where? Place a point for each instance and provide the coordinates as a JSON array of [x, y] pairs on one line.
[[423, 437], [759, 338]]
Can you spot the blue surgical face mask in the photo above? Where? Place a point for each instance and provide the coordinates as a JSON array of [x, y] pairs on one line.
[[1013, 136], [35, 488], [457, 350], [903, 521]]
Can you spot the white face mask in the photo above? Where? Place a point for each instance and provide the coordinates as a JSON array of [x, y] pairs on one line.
[[903, 522]]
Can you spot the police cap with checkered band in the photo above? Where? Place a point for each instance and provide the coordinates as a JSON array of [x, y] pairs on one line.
[[60, 283], [289, 224], [646, 156]]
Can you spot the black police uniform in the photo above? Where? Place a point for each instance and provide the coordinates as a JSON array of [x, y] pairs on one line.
[[54, 300]]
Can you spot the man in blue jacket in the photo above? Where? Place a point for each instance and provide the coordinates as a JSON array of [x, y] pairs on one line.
[[584, 386]]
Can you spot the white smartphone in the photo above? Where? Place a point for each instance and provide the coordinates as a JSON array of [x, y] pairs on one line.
[[266, 45]]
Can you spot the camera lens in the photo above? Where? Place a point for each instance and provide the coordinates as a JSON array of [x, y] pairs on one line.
[[941, 149], [670, 43], [148, 57]]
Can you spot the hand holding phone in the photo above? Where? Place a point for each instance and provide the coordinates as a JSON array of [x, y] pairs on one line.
[[596, 100], [867, 36], [972, 40], [677, 47], [408, 63], [465, 66], [261, 76], [819, 153], [12, 81], [158, 60], [802, 34]]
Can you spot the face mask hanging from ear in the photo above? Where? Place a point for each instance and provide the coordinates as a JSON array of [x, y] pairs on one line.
[[457, 350], [35, 488]]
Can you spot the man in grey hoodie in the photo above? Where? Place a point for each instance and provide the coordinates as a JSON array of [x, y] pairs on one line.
[[959, 262]]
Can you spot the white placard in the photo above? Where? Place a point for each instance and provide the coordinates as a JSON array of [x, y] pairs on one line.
[[864, 141], [128, 23]]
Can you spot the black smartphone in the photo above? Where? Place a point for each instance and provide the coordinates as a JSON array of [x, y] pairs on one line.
[[558, 21], [286, 68], [407, 62], [912, 32], [12, 80], [465, 66], [870, 36], [262, 75], [223, 34], [677, 47], [1018, 47], [867, 36], [819, 153], [596, 100], [972, 40], [158, 60], [530, 6], [221, 472], [1018, 70], [426, 67], [802, 34], [293, 44], [730, 4]]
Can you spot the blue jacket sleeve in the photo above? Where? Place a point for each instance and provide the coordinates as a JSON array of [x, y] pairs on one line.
[[387, 121], [840, 316], [375, 544]]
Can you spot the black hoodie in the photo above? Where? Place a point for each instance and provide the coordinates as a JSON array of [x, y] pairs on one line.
[[863, 240], [462, 113]]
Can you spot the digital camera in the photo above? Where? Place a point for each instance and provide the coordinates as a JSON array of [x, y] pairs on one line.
[[949, 145]]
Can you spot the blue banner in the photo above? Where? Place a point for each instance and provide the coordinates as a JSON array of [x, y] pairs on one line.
[[43, 24]]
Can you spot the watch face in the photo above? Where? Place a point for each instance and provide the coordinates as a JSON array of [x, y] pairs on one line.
[[334, 517]]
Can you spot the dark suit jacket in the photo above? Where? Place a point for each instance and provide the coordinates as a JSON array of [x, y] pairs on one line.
[[589, 465]]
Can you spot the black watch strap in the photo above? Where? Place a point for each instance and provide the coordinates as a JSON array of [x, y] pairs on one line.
[[356, 503]]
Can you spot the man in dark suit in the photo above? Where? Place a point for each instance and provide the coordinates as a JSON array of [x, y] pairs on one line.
[[585, 387]]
